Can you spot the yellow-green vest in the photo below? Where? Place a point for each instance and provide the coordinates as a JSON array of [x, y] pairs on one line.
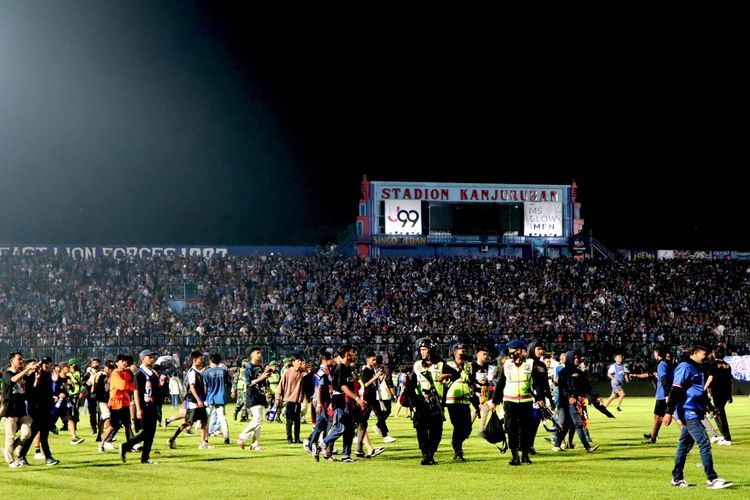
[[435, 369], [459, 391], [273, 381], [74, 380], [518, 381]]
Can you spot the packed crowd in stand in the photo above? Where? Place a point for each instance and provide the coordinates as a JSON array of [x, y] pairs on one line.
[[597, 306]]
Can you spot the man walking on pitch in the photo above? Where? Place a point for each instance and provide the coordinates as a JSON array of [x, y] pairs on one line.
[[194, 402], [148, 397], [255, 381], [215, 379], [618, 374], [688, 399], [290, 390]]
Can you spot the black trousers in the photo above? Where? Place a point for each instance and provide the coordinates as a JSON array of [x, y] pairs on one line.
[[292, 418], [461, 419], [146, 436], [429, 432], [382, 415], [721, 416], [39, 424], [93, 414], [518, 418]]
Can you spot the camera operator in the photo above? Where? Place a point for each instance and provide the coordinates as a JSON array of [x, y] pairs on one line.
[[424, 390]]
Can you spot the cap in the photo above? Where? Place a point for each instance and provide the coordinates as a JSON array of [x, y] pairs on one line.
[[147, 352], [516, 344], [272, 363], [46, 360], [287, 360], [457, 346], [73, 361]]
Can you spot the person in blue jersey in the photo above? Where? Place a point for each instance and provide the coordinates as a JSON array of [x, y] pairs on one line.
[[687, 402], [321, 403], [664, 375], [216, 380], [619, 375]]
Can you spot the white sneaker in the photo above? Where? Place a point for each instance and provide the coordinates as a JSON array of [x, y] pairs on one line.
[[389, 439], [15, 464], [39, 456], [724, 442], [718, 484], [716, 439], [680, 483], [108, 446]]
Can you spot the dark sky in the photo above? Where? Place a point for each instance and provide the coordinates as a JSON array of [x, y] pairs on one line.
[[173, 122]]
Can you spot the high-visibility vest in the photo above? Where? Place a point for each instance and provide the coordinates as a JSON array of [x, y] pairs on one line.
[[518, 381], [459, 391], [273, 381], [423, 385], [74, 380]]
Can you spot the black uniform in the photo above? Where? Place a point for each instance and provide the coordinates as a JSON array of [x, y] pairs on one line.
[[150, 387], [40, 406], [428, 419], [540, 371], [721, 392]]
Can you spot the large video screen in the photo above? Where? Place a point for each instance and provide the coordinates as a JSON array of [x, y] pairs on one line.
[[476, 219]]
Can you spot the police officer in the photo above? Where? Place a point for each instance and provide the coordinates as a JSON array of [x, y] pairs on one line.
[[459, 397], [518, 385], [424, 390]]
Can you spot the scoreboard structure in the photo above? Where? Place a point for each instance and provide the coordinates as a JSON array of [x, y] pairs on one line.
[[425, 219]]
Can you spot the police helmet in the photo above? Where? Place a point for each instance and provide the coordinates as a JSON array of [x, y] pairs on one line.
[[425, 342]]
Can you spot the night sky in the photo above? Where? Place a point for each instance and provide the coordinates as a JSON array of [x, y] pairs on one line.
[[145, 122]]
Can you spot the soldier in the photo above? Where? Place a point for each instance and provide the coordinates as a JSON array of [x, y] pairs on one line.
[[239, 386]]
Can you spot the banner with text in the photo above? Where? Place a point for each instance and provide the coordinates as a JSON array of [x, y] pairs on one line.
[[403, 217], [542, 219], [740, 367], [121, 251]]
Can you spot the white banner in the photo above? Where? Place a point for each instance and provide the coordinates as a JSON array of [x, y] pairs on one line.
[[542, 219], [740, 367], [403, 217]]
